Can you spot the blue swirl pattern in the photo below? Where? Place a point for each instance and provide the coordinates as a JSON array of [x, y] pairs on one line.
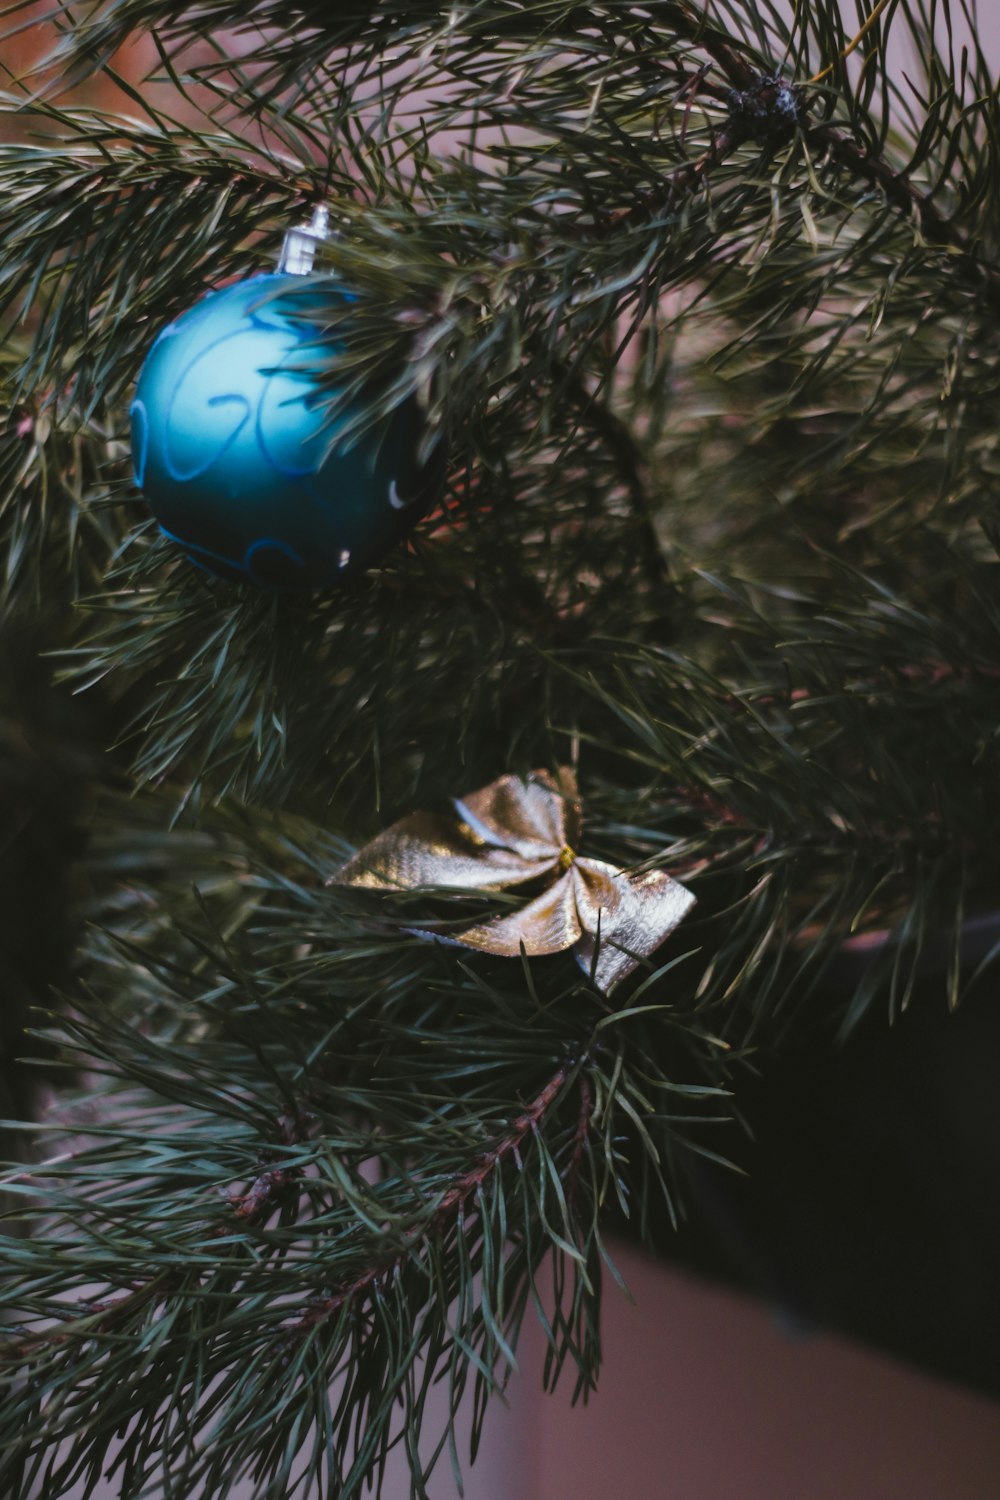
[[233, 451]]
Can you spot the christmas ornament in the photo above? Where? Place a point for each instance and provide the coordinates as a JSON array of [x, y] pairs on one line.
[[514, 831], [233, 449]]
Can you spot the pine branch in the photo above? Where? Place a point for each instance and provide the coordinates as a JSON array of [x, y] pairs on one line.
[[388, 1083], [966, 256], [669, 194], [453, 1202], [271, 1188], [708, 311]]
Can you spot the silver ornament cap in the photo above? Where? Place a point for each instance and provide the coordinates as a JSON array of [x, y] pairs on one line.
[[298, 253]]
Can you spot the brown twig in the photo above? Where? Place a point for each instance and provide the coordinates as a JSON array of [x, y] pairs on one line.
[[324, 1308], [253, 1207], [620, 442], [264, 1194], [743, 77], [739, 73], [902, 193], [899, 190], [897, 187], [671, 190], [272, 1184], [91, 1318]]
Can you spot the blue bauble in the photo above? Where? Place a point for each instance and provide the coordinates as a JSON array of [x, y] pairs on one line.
[[232, 449]]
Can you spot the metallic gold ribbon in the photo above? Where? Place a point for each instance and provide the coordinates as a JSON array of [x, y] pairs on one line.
[[514, 831]]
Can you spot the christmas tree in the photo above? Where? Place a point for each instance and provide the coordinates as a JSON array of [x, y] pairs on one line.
[[597, 514]]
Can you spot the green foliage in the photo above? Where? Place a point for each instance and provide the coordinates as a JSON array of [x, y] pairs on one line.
[[321, 1194], [717, 359]]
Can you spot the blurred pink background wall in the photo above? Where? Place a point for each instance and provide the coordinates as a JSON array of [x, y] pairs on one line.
[[705, 1396]]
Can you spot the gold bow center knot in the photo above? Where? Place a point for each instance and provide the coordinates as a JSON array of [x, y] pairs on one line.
[[510, 833]]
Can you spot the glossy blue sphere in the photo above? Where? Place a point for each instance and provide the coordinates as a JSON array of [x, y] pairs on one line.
[[232, 450]]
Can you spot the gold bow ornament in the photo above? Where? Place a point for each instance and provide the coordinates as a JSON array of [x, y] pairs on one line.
[[512, 832]]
